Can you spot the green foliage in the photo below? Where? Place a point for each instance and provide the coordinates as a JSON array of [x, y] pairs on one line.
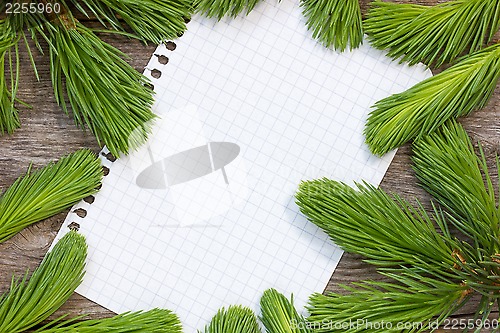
[[334, 23], [9, 54], [385, 229], [221, 8], [46, 192], [105, 93], [112, 100], [153, 321], [432, 34], [420, 110], [236, 319], [448, 168], [433, 273], [379, 307], [151, 20], [279, 315], [30, 302]]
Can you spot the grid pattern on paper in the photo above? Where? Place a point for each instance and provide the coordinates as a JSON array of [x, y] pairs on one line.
[[296, 110]]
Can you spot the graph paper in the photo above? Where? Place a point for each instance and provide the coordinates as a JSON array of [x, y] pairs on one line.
[[203, 215]]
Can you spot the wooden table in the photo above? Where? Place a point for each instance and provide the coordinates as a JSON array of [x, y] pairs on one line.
[[47, 134]]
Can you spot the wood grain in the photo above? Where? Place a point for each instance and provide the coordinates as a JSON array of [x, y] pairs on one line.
[[47, 134]]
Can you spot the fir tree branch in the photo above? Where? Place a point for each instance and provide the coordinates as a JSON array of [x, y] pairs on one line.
[[104, 91], [449, 169], [420, 110], [11, 31], [385, 229], [370, 305], [236, 319], [334, 23], [151, 20], [46, 192], [9, 62], [221, 8], [153, 321], [432, 34], [482, 276], [279, 315], [52, 283]]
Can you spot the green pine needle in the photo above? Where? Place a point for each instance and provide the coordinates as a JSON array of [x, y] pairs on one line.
[[9, 62], [46, 192], [52, 283], [386, 307], [449, 169], [153, 321], [236, 319], [420, 110], [151, 20], [433, 273], [387, 230], [279, 315], [221, 8], [433, 35], [334, 23], [9, 119], [104, 91]]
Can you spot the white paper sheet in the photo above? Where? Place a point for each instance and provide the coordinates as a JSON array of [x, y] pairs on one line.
[[203, 215]]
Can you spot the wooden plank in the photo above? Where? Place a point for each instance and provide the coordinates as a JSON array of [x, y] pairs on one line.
[[47, 134]]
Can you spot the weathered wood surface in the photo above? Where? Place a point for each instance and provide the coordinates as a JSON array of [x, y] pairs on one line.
[[47, 134]]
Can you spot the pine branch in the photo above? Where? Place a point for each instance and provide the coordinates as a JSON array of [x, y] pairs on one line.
[[151, 20], [46, 192], [433, 274], [11, 34], [9, 61], [482, 274], [236, 319], [432, 34], [386, 307], [385, 229], [334, 23], [52, 283], [279, 315], [449, 169], [105, 92], [420, 110], [220, 8], [156, 321]]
